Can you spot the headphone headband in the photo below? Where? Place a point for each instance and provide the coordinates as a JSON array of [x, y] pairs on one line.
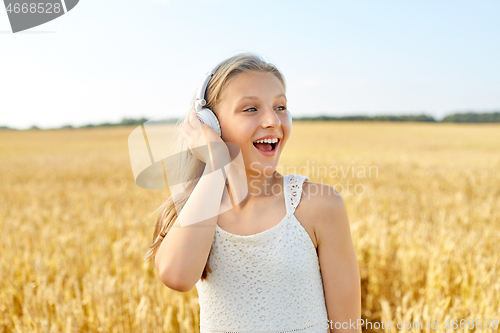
[[200, 95]]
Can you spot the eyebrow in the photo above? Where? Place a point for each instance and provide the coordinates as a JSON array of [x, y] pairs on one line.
[[255, 97]]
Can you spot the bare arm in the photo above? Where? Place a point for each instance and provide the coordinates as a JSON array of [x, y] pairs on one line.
[[338, 263], [184, 251]]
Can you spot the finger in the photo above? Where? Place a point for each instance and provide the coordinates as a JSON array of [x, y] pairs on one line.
[[187, 125], [187, 135], [195, 122], [191, 119]]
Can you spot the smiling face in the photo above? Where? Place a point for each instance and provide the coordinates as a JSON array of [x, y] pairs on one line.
[[253, 106]]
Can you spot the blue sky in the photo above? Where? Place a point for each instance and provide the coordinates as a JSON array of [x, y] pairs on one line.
[[106, 60]]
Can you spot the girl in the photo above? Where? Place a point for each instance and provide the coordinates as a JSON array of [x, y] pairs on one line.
[[268, 264]]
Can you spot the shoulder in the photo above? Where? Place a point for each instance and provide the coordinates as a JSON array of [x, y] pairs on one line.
[[325, 209], [322, 198]]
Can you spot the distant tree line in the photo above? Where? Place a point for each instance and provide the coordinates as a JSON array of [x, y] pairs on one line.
[[123, 122], [469, 117], [370, 118], [472, 117]]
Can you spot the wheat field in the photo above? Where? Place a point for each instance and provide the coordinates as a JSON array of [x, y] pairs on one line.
[[424, 219]]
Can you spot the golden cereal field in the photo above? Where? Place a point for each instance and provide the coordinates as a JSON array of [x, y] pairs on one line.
[[425, 225]]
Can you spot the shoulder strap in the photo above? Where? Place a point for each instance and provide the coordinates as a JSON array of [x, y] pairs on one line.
[[293, 191]]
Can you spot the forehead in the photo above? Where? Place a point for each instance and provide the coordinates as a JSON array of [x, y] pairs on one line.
[[256, 83]]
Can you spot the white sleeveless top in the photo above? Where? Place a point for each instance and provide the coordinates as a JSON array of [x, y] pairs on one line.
[[267, 282]]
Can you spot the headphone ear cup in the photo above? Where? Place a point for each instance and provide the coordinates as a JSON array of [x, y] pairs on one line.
[[208, 117]]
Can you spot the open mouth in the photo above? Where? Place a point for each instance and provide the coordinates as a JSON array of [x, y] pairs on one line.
[[267, 147]]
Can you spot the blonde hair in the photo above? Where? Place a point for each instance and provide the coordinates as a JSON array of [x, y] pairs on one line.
[[189, 166]]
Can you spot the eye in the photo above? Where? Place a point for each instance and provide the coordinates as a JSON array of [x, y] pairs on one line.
[[281, 108]]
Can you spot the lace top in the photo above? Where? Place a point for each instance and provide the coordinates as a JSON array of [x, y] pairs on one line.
[[267, 282]]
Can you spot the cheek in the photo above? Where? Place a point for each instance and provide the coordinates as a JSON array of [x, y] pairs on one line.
[[235, 134], [227, 131]]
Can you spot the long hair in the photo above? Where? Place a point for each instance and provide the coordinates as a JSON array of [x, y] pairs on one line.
[[189, 165]]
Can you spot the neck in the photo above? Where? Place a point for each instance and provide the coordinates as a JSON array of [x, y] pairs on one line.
[[261, 186]]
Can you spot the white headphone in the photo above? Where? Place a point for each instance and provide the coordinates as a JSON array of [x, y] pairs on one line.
[[206, 115]]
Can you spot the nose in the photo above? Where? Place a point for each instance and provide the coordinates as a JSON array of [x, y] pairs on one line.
[[270, 119]]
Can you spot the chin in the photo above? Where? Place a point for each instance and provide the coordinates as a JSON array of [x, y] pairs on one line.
[[261, 165]]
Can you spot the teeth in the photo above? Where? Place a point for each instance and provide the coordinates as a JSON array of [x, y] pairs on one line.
[[267, 140]]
